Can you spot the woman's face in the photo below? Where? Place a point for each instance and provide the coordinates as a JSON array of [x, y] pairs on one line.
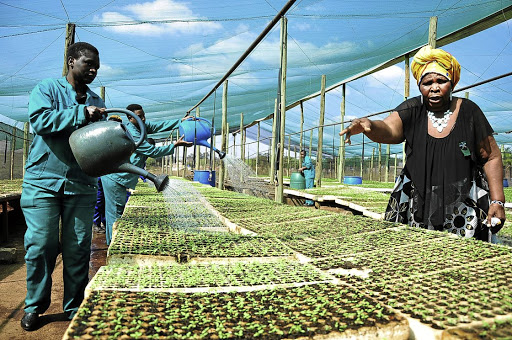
[[436, 90]]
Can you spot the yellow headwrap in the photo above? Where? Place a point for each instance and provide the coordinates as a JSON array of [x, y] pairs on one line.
[[429, 60]]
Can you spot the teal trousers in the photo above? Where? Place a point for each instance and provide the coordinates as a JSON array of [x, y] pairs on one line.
[[310, 183], [44, 210], [115, 201]]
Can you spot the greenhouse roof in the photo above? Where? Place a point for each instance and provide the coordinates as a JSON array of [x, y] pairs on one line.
[[167, 55]]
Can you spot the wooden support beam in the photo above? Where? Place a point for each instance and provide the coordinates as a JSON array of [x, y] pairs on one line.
[[198, 148], [318, 173], [432, 32], [257, 148], [279, 196], [242, 151], [224, 132], [70, 40], [341, 153], [13, 148], [273, 143]]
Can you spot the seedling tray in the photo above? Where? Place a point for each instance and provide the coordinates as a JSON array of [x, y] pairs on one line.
[[184, 246], [313, 311], [239, 275]]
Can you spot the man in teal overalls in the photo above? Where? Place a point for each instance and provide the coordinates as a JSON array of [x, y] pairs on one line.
[[116, 185], [55, 190], [308, 170]]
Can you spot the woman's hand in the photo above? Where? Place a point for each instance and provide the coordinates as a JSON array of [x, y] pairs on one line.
[[357, 126], [496, 210]]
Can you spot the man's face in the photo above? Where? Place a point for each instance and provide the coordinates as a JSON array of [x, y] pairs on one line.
[[86, 67], [141, 115]]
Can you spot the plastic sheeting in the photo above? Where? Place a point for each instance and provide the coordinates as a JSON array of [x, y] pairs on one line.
[[166, 55]]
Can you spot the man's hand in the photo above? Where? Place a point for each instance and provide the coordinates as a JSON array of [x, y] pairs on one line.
[[187, 118], [94, 113], [181, 142]]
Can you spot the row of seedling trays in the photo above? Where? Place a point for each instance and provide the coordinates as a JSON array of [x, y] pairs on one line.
[[201, 291]]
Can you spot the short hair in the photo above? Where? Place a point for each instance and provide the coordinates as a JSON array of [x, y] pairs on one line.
[[78, 49], [133, 107]]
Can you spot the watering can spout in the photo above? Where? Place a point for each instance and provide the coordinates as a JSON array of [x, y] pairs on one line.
[[160, 181], [222, 154]]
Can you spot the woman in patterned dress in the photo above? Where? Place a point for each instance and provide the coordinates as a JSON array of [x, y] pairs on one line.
[[453, 178]]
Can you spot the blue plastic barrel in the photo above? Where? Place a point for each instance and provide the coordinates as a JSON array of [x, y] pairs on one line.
[[505, 183], [203, 176], [352, 180]]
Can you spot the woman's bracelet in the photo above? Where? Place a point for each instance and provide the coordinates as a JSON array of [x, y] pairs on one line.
[[498, 203]]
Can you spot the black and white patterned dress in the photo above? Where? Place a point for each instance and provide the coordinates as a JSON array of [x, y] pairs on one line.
[[442, 185]]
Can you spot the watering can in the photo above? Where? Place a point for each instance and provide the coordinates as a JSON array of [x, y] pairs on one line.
[[105, 147], [197, 131]]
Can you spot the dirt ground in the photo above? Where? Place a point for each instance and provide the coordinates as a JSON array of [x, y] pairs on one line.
[[53, 323]]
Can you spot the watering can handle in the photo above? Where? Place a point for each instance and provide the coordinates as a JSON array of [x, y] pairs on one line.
[[142, 126]]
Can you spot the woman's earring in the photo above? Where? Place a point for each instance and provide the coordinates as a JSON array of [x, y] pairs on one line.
[[421, 99], [451, 95]]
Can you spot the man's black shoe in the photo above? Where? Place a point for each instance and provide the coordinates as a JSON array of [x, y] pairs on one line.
[[29, 321]]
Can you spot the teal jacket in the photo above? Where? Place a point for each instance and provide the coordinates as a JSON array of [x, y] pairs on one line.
[[145, 150], [54, 114], [309, 172]]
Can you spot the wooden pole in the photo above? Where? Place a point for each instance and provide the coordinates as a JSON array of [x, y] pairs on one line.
[[184, 173], [273, 149], [380, 162], [289, 149], [371, 164], [333, 159], [163, 163], [177, 156], [70, 40], [407, 85], [234, 144], [301, 141], [257, 148], [362, 159], [432, 32], [284, 41], [198, 150], [320, 135], [224, 131], [242, 151], [396, 167], [341, 167], [13, 148], [246, 149], [26, 144], [407, 78], [310, 142], [295, 158]]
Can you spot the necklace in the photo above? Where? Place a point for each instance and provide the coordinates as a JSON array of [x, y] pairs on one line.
[[439, 123]]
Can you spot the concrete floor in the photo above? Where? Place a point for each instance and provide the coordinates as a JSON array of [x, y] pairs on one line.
[[53, 323]]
